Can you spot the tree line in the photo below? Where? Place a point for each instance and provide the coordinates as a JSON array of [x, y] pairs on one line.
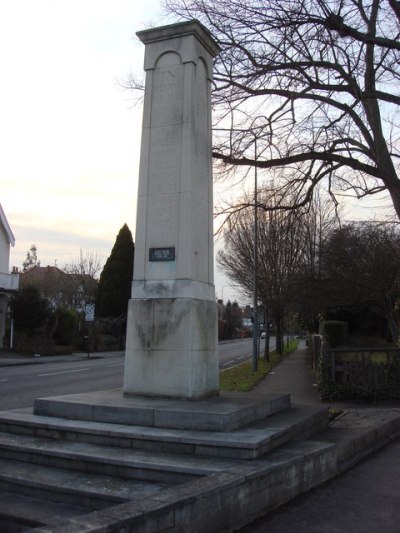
[[311, 266], [307, 93], [45, 307]]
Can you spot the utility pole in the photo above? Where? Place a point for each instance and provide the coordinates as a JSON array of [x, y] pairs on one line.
[[255, 261]]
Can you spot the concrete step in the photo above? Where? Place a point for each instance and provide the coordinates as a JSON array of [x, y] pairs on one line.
[[359, 432], [20, 513], [221, 501], [138, 465], [230, 499], [225, 412], [249, 442], [99, 466], [61, 500], [229, 493], [74, 488]]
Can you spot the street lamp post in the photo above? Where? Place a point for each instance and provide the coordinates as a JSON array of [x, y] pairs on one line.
[[255, 260]]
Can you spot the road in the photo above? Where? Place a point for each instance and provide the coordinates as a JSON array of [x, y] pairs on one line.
[[234, 352], [21, 385]]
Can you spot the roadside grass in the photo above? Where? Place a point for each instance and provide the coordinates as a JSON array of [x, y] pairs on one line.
[[242, 378]]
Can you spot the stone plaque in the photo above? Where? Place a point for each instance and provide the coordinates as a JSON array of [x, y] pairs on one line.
[[162, 254]]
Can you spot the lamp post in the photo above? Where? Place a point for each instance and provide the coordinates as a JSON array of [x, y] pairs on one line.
[[255, 260]]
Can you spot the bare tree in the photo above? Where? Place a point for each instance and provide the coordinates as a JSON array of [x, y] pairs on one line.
[[280, 248], [88, 263], [318, 221], [316, 82], [320, 218]]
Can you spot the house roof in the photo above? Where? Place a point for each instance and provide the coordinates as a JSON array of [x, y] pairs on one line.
[[51, 279], [6, 227]]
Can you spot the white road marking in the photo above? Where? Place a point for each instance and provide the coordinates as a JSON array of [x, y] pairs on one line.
[[119, 364], [63, 372]]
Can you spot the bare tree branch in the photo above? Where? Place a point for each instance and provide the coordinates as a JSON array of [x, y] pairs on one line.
[[316, 83]]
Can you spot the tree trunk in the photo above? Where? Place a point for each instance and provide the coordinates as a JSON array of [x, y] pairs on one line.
[[392, 319], [279, 337], [266, 348]]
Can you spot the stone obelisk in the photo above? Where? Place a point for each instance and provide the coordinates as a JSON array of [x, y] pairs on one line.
[[171, 347]]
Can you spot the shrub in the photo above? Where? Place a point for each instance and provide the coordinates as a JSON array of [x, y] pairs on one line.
[[334, 332], [30, 310], [67, 325], [387, 387]]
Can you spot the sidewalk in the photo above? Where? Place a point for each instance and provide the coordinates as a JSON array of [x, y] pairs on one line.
[[365, 499], [13, 359], [294, 376]]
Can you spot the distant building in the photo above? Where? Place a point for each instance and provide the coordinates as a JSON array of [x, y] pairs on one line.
[[8, 281], [247, 320], [73, 291]]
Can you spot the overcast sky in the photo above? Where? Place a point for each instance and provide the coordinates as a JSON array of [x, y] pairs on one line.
[[69, 132]]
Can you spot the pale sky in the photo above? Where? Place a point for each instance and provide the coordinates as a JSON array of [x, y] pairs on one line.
[[69, 132]]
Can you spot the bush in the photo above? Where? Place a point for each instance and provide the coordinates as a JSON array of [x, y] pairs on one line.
[[333, 391], [30, 310], [67, 326], [334, 332], [382, 387]]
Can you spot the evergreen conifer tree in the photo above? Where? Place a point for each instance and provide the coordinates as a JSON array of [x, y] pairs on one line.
[[114, 288]]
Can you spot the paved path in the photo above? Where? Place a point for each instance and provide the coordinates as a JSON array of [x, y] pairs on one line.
[[295, 376], [365, 499]]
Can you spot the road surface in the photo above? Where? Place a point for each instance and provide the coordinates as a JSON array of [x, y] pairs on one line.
[[21, 385]]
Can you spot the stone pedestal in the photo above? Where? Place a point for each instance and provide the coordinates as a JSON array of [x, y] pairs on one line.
[[171, 348]]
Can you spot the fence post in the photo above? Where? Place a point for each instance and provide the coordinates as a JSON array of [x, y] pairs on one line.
[[315, 348]]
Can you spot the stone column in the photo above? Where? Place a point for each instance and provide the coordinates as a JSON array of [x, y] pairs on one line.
[[171, 348]]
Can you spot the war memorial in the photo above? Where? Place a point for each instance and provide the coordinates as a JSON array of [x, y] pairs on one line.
[[168, 451], [171, 345]]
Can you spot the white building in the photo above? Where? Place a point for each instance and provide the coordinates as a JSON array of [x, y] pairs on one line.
[[8, 282]]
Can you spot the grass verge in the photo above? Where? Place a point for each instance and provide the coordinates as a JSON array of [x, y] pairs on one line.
[[242, 378]]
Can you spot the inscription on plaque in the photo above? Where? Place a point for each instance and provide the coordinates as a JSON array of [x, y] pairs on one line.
[[162, 254]]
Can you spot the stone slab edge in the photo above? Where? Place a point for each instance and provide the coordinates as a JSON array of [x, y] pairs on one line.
[[228, 500], [210, 416], [363, 439], [239, 445], [216, 502]]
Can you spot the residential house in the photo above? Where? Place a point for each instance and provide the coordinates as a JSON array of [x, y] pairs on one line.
[[8, 281], [59, 288]]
